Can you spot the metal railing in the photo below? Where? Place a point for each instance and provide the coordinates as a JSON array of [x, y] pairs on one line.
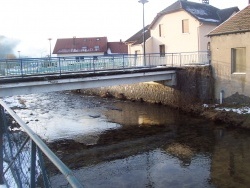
[[64, 65], [23, 155]]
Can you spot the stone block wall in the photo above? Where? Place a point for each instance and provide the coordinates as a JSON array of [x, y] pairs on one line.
[[194, 86]]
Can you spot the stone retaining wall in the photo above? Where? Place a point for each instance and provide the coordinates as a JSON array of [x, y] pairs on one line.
[[194, 86]]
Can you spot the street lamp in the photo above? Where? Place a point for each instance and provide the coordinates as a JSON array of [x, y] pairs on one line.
[[49, 47], [42, 54], [144, 47], [19, 54]]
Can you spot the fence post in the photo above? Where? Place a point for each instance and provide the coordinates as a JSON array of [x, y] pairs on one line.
[[94, 63], [60, 68], [1, 144], [180, 59], [42, 165], [172, 60], [123, 61], [33, 165], [21, 66]]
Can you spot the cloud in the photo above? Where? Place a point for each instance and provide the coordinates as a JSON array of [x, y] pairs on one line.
[[7, 46]]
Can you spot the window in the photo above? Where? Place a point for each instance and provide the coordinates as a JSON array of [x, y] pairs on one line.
[[185, 26], [97, 48], [162, 50], [238, 58], [137, 52], [160, 30]]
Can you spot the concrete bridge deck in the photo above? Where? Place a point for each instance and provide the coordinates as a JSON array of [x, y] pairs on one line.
[[33, 75], [49, 83]]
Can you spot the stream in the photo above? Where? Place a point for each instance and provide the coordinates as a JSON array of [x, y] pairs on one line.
[[112, 143]]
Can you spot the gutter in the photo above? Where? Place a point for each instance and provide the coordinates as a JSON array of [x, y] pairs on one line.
[[229, 32]]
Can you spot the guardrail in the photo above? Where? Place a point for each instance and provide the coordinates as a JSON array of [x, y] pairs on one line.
[[22, 155], [62, 65]]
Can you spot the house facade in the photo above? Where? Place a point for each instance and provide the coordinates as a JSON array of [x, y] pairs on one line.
[[93, 46], [181, 27], [230, 52], [135, 42]]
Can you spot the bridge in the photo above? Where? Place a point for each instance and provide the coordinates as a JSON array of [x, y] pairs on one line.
[[35, 75], [23, 153]]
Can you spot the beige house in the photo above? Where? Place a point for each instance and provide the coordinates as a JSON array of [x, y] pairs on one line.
[[181, 27], [135, 43], [230, 49]]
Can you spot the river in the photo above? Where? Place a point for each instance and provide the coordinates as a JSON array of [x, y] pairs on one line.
[[112, 143]]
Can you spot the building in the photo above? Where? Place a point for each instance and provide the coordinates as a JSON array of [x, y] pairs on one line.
[[135, 42], [117, 48], [94, 46], [181, 27], [230, 52]]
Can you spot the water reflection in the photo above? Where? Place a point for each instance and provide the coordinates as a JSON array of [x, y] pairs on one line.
[[155, 147], [114, 143], [128, 113], [231, 160], [150, 169]]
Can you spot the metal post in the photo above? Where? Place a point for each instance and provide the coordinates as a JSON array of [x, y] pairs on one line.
[[94, 63], [42, 165], [21, 66], [33, 165], [50, 49], [180, 59], [172, 59], [143, 35], [60, 68], [144, 47], [149, 60], [123, 61], [1, 144]]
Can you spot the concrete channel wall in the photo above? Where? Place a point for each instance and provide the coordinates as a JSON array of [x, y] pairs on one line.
[[194, 86]]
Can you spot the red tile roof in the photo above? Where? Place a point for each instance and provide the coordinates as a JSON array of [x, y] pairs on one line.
[[81, 45], [118, 47], [239, 23]]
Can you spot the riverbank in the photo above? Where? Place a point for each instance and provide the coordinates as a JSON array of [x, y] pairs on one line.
[[194, 88], [231, 115]]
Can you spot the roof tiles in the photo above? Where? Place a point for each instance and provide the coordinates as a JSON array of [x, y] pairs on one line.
[[238, 23], [118, 47], [201, 11], [80, 45]]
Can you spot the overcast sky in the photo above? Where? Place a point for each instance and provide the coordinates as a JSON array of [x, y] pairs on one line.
[[32, 22]]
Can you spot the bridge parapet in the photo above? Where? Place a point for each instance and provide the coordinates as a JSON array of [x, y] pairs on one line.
[[26, 67]]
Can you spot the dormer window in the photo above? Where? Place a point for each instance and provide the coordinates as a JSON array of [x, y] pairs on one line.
[[97, 39]]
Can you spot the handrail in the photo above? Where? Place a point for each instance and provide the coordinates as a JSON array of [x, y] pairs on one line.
[[26, 67], [44, 148]]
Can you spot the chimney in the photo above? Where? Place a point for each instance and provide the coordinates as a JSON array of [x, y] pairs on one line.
[[207, 1], [74, 40]]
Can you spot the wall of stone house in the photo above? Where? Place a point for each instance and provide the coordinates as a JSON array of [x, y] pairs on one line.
[[194, 86], [235, 86]]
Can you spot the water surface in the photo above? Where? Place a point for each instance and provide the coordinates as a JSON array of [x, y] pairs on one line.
[[128, 144]]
